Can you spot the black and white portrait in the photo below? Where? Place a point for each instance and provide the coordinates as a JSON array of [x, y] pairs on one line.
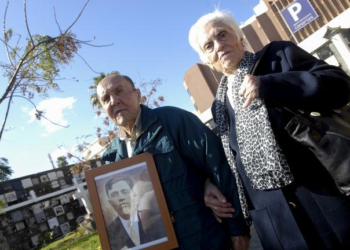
[[130, 208]]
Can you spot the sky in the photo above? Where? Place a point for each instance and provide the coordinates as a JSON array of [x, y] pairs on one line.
[[150, 41]]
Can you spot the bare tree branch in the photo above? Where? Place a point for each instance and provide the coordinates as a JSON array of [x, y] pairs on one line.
[[8, 46], [80, 13], [39, 113], [7, 114], [19, 66], [9, 104], [5, 40], [54, 13], [93, 45], [87, 63], [26, 21]]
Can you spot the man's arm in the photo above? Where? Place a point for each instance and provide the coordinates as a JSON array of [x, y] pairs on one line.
[[204, 150], [218, 203]]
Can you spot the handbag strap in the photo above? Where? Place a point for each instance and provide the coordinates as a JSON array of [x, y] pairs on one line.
[[254, 68]]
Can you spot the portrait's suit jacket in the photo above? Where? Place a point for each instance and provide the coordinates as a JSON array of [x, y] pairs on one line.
[[120, 238]]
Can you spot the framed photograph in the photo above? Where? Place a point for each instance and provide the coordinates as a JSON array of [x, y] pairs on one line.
[[65, 228], [129, 205], [58, 210], [64, 199]]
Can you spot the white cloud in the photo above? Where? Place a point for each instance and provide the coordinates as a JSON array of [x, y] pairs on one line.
[[53, 109], [25, 109]]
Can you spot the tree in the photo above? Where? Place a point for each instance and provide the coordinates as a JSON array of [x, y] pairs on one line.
[[62, 161], [5, 169], [148, 91], [33, 67]]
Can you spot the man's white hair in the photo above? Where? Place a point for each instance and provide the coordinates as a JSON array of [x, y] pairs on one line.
[[218, 15]]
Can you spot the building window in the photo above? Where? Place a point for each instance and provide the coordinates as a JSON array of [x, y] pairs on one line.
[[52, 176], [35, 181]]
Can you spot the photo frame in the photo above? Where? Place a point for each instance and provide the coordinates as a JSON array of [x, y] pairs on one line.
[[129, 205], [58, 210], [64, 199]]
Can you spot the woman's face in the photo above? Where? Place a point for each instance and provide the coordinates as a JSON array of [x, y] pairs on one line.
[[222, 47]]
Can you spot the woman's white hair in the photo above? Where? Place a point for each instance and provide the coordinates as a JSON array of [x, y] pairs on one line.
[[218, 15]]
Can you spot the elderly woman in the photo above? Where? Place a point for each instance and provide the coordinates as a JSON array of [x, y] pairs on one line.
[[284, 189]]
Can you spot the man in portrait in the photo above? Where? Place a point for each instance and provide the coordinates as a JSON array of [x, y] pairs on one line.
[[130, 228]]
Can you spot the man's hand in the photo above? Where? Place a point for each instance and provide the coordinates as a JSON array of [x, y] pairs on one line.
[[214, 199], [249, 89], [240, 242]]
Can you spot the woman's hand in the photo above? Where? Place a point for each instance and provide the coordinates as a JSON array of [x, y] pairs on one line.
[[214, 199], [249, 89]]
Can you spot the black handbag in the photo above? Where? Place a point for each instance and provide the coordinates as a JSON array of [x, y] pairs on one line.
[[326, 134]]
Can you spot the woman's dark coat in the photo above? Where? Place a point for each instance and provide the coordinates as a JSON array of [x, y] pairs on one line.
[[310, 213]]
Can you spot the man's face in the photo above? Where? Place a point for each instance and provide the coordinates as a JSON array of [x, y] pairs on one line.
[[119, 198], [223, 49], [119, 100]]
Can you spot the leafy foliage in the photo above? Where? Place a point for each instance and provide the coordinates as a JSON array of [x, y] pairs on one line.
[[149, 90], [62, 161], [34, 69], [45, 237], [71, 241], [34, 65], [5, 169]]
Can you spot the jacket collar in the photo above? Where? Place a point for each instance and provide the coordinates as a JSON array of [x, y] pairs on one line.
[[148, 117], [150, 126]]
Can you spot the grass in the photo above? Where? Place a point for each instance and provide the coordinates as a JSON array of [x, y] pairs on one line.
[[73, 242]]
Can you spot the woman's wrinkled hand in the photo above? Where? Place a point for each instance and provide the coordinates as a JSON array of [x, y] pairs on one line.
[[249, 89], [214, 199]]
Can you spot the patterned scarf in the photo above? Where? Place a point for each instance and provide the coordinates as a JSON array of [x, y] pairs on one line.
[[262, 158]]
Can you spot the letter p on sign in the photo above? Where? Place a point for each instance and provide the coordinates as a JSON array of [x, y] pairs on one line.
[[294, 10]]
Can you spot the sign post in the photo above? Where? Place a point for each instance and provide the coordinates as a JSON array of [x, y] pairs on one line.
[[299, 14]]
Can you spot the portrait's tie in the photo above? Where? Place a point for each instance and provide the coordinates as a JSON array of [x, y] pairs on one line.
[[133, 235]]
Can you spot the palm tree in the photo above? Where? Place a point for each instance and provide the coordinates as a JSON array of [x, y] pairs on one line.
[[5, 169]]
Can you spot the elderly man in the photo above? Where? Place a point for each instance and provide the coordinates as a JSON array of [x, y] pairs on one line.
[[186, 153]]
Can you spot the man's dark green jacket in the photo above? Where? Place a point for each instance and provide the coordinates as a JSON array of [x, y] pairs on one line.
[[186, 152]]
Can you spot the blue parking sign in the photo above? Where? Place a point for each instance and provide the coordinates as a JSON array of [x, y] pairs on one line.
[[299, 14]]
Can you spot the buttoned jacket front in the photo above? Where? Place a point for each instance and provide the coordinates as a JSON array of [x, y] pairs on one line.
[[186, 152]]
